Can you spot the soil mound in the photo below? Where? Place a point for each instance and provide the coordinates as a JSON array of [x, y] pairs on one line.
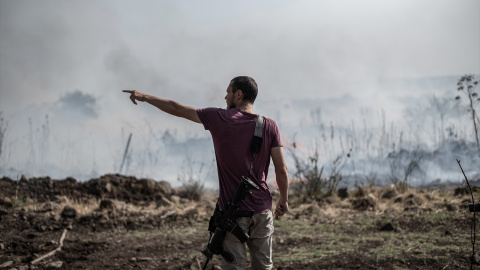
[[111, 186]]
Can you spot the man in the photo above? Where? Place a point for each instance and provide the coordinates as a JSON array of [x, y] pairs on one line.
[[232, 132]]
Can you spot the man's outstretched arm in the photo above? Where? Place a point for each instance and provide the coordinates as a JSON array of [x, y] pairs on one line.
[[281, 175], [169, 106]]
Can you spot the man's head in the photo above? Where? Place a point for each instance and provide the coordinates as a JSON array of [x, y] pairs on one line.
[[241, 89]]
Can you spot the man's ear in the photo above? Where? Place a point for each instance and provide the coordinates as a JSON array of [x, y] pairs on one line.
[[239, 94]]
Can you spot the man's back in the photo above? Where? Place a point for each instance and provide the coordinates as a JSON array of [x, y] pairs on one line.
[[232, 132]]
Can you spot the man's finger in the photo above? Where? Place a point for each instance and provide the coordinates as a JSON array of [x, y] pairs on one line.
[[133, 99]]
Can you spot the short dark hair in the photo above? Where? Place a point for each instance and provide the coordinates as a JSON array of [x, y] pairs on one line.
[[247, 85]]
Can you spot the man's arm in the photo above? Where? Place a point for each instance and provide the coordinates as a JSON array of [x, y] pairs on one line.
[[281, 175], [169, 106]]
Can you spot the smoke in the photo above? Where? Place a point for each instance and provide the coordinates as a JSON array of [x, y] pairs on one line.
[[78, 103], [336, 75]]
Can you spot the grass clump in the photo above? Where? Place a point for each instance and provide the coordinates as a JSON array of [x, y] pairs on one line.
[[309, 181], [20, 202]]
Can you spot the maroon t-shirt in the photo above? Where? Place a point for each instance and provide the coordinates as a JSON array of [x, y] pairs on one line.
[[232, 132]]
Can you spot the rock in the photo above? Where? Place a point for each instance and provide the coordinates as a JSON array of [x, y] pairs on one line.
[[69, 212], [363, 204], [5, 201], [167, 186], [6, 264], [175, 199], [389, 194], [57, 264], [388, 227], [148, 185], [453, 207], [60, 199], [342, 193], [2, 246], [100, 187], [110, 204], [108, 187], [23, 179], [51, 206], [413, 200]]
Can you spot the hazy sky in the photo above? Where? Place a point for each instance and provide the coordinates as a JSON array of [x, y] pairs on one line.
[[177, 48], [345, 52]]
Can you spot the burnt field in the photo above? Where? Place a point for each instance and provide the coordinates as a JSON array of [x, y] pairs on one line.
[[120, 222]]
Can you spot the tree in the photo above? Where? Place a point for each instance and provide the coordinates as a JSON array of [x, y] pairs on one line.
[[467, 85]]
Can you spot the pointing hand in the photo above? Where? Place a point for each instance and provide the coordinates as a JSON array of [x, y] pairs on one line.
[[135, 95]]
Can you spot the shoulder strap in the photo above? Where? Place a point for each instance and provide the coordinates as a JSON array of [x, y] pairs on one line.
[[257, 136], [259, 127]]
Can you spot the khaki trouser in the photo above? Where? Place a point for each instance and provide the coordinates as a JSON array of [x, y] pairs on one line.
[[260, 229]]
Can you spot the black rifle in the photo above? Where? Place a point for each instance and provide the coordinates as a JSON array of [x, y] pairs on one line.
[[223, 221]]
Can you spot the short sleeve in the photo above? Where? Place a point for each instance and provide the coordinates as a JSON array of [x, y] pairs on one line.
[[276, 141], [208, 116]]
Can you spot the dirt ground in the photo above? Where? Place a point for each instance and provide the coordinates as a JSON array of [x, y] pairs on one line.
[[119, 222]]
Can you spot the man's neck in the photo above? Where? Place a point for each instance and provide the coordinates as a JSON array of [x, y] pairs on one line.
[[246, 107]]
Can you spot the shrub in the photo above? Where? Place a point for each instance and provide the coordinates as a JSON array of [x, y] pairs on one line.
[[193, 186], [308, 180]]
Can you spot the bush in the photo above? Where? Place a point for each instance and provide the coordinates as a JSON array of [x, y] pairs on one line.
[[193, 186], [192, 190], [308, 181]]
